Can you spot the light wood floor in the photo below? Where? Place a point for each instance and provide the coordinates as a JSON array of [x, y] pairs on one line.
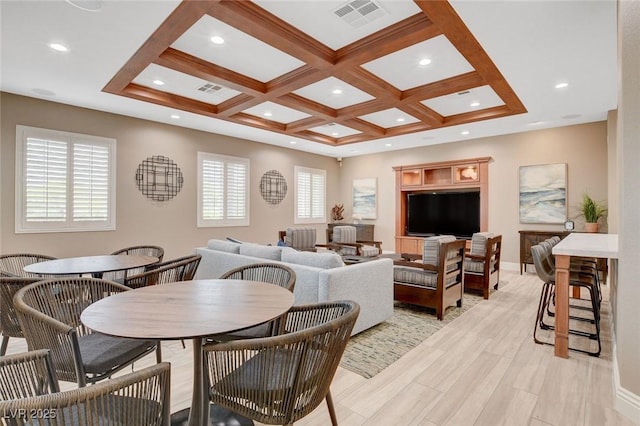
[[482, 369]]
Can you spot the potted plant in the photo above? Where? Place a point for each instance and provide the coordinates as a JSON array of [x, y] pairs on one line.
[[592, 211]]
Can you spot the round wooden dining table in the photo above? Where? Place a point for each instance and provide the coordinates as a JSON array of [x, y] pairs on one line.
[[95, 265], [188, 309]]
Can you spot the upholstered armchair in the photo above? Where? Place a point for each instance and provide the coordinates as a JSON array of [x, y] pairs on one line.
[[482, 263], [435, 280], [299, 238], [342, 239]]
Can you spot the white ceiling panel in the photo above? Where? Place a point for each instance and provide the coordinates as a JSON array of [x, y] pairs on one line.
[[240, 52], [403, 69], [324, 92], [469, 100], [335, 130], [319, 20], [388, 118], [184, 85], [275, 112]]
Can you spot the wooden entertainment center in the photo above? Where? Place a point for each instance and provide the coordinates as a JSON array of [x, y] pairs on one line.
[[462, 175]]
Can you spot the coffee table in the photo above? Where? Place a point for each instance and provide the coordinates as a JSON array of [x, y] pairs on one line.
[[188, 310]]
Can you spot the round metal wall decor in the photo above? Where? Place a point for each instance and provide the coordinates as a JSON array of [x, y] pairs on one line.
[[273, 187], [159, 178]]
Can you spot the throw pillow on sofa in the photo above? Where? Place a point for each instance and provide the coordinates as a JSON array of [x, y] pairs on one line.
[[263, 252], [309, 258], [226, 246]]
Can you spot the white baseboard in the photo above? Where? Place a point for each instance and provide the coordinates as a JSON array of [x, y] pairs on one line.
[[625, 402]]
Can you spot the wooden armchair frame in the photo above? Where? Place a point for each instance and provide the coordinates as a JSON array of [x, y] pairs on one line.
[[357, 245], [490, 276], [450, 261]]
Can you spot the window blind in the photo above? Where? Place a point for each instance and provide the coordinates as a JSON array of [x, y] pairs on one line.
[[310, 195], [64, 181], [223, 190]]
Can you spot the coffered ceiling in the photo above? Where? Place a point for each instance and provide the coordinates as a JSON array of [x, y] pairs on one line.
[[334, 77]]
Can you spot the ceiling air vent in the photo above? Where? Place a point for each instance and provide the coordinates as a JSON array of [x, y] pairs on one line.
[[466, 92], [359, 12], [209, 88]]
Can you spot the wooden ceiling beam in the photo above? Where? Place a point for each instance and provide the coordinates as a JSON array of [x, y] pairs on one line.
[[444, 87], [182, 18], [196, 67], [305, 124], [398, 36], [154, 96], [442, 14], [485, 114], [363, 126], [422, 113], [308, 106], [253, 20], [369, 83]]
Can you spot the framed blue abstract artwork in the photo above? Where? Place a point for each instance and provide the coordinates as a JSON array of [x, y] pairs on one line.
[[364, 198], [543, 193]]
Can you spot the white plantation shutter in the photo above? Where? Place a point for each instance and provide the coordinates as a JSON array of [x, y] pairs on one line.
[[45, 181], [310, 195], [90, 182], [64, 182], [223, 190]]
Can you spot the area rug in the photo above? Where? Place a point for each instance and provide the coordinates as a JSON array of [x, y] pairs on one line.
[[371, 351]]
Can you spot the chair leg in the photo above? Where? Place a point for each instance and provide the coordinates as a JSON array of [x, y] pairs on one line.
[[159, 352], [5, 343], [332, 411]]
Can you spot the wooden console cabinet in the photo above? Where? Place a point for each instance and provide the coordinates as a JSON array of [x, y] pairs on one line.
[[469, 174], [531, 238]]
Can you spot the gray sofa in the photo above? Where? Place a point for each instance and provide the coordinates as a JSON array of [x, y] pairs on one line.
[[320, 277]]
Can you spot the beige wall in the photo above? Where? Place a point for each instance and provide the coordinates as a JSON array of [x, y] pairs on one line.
[[627, 314], [170, 224], [582, 147]]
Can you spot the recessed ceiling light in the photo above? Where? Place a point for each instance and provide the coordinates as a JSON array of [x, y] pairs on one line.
[[388, 144], [335, 134], [561, 85], [474, 104], [535, 123], [400, 119], [267, 114], [354, 150], [336, 92], [217, 40], [425, 61], [158, 82], [464, 132], [88, 5], [175, 116], [293, 142], [59, 47]]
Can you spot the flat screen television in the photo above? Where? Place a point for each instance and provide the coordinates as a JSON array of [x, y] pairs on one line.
[[443, 213]]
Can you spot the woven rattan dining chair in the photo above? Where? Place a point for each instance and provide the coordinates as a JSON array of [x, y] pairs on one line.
[[272, 273], [189, 265], [9, 323], [282, 378], [27, 374], [31, 393], [143, 250], [11, 265], [182, 269], [49, 313]]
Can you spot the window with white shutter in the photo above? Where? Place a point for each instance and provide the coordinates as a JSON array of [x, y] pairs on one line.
[[65, 182], [310, 195], [223, 190]]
